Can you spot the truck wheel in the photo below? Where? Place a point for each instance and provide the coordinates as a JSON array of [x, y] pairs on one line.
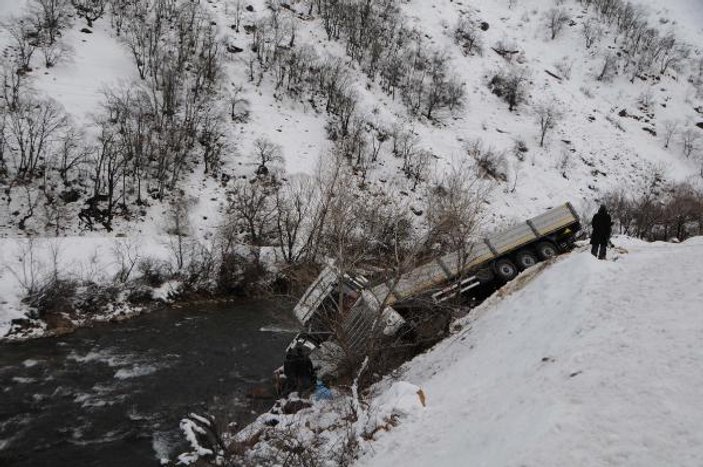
[[547, 250], [505, 269], [525, 259]]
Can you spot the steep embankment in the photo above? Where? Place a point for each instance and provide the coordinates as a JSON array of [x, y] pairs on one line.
[[592, 363]]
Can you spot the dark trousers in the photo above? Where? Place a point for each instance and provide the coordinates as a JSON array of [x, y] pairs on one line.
[[598, 250]]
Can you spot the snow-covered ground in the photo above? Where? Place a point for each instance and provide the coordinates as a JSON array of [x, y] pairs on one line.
[[591, 363]]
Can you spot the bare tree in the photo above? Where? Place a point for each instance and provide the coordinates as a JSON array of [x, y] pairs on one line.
[[671, 127], [510, 84], [417, 165], [54, 52], [179, 227], [266, 152], [547, 116], [33, 128], [555, 19], [295, 203], [24, 41], [90, 10], [454, 206], [51, 17], [251, 209], [689, 142], [592, 31], [238, 9], [57, 214], [12, 87], [697, 76], [3, 144], [609, 68]]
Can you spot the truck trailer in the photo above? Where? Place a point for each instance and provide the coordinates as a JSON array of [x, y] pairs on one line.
[[341, 310]]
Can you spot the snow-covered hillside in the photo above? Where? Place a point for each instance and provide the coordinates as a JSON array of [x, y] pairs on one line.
[[592, 148], [590, 363]]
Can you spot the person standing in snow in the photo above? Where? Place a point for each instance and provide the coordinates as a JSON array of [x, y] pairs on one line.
[[300, 375], [601, 224]]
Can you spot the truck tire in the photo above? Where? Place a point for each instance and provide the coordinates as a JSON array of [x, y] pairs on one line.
[[505, 269], [547, 250], [525, 259]]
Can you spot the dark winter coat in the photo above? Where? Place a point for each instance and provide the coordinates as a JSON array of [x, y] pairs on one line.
[[601, 227]]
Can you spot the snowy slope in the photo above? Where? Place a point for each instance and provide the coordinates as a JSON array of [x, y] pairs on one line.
[[591, 363]]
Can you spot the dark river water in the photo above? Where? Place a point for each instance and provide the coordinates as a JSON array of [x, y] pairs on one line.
[[113, 395]]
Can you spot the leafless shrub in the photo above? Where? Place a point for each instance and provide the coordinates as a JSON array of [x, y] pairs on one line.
[[24, 41], [31, 276], [520, 149], [696, 77], [609, 68], [646, 99], [564, 67], [490, 163], [592, 32], [555, 19], [660, 213], [454, 205], [507, 48], [152, 272], [467, 36], [127, 256], [671, 127], [510, 84], [54, 53], [689, 142], [564, 162], [547, 116]]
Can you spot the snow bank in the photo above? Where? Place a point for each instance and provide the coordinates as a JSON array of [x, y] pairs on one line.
[[592, 363], [95, 259]]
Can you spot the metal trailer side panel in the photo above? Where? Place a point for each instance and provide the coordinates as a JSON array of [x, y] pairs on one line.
[[513, 238], [315, 294], [554, 219], [478, 253], [420, 278]]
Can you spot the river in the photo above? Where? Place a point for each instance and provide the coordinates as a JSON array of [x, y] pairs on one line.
[[113, 394]]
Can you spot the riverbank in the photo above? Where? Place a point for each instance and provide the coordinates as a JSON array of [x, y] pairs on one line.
[[53, 286]]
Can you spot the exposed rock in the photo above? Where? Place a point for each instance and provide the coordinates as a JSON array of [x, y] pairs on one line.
[[295, 406], [58, 324], [416, 211], [261, 392], [70, 196]]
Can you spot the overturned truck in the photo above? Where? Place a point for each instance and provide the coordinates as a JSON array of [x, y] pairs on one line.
[[342, 312]]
